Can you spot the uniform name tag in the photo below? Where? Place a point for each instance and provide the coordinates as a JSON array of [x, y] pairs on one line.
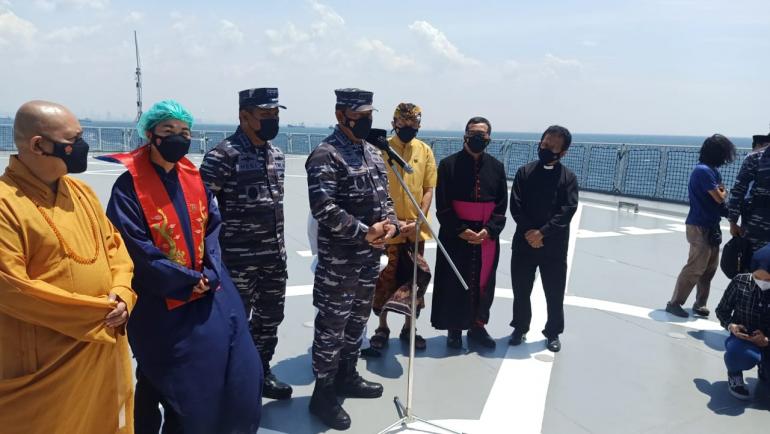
[[249, 164]]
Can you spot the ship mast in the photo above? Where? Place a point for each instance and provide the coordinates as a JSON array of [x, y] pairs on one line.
[[138, 80]]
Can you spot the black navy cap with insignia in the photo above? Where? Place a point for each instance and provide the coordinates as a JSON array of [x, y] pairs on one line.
[[357, 100], [760, 139], [262, 97]]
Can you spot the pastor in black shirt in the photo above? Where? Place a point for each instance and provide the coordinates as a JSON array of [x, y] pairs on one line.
[[544, 199]]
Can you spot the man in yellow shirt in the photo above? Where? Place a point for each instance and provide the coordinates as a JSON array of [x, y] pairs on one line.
[[65, 288], [406, 123]]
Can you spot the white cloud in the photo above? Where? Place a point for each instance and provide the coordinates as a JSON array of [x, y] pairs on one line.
[[15, 30], [548, 67], [69, 34], [560, 63], [230, 33], [51, 5], [440, 44], [197, 50], [286, 39], [329, 18], [385, 54], [181, 23], [589, 43], [291, 38], [134, 17]]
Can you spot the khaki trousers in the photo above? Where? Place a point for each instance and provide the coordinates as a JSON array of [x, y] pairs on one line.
[[701, 266]]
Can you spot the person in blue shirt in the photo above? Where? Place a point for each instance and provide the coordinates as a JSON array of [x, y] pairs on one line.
[[707, 197]]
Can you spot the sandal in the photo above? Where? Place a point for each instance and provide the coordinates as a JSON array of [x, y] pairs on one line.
[[380, 338], [419, 341]]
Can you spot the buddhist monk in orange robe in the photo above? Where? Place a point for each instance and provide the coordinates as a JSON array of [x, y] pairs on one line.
[[65, 288]]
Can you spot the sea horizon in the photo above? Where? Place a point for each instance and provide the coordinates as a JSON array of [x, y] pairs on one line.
[[578, 137]]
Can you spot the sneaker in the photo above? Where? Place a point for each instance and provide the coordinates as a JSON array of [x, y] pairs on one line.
[[481, 337], [738, 387], [701, 310], [676, 310], [553, 345], [517, 338]]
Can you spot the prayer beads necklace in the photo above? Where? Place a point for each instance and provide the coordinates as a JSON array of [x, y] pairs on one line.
[[68, 252]]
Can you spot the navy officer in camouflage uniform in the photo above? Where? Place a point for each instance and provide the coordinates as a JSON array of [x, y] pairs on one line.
[[749, 205], [246, 172], [348, 191]]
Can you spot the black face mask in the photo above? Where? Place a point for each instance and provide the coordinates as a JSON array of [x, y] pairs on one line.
[[547, 157], [406, 134], [173, 147], [75, 155], [360, 128], [477, 143], [268, 129]]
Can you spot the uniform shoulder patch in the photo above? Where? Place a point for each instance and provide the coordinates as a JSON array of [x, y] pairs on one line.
[[226, 147]]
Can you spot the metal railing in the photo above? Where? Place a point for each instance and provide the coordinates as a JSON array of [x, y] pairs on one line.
[[657, 172]]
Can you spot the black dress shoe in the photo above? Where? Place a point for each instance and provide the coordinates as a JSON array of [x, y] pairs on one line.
[[370, 353], [274, 388], [454, 339], [480, 336], [350, 384], [517, 338], [554, 345], [325, 406]]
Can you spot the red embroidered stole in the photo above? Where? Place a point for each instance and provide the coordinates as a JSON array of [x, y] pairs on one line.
[[160, 214]]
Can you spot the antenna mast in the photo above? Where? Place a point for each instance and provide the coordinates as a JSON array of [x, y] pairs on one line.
[[138, 80]]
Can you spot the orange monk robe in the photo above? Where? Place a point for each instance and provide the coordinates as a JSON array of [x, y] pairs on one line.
[[61, 369]]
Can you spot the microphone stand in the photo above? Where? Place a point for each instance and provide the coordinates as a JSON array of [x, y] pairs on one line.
[[405, 414]]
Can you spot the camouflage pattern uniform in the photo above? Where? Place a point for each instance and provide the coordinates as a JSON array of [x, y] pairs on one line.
[[753, 209], [248, 183], [348, 192]]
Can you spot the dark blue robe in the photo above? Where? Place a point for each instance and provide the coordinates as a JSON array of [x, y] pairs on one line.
[[199, 356]]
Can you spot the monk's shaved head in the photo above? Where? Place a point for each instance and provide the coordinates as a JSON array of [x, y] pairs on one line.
[[43, 118], [38, 127]]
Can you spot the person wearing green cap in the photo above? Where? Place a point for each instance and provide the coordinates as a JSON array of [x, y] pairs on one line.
[[189, 335]]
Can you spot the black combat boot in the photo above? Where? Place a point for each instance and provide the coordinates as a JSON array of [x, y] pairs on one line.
[[274, 388], [325, 406], [349, 384]]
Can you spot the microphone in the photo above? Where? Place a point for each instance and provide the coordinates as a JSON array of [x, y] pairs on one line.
[[377, 138]]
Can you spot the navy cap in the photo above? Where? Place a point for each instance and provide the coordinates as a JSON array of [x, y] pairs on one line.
[[356, 99], [760, 139], [262, 97]]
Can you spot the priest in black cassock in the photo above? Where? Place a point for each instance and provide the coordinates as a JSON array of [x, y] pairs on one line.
[[471, 201], [544, 198]]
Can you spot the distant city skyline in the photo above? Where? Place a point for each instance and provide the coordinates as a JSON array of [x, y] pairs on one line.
[[668, 67]]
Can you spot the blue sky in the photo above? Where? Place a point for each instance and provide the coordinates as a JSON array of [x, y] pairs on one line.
[[637, 67]]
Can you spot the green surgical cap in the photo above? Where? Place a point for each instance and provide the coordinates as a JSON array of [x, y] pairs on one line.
[[161, 111]]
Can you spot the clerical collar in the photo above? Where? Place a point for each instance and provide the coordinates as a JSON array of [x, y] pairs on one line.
[[551, 167]]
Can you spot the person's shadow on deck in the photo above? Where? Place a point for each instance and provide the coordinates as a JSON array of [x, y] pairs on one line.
[[291, 416], [296, 371], [713, 339], [723, 403]]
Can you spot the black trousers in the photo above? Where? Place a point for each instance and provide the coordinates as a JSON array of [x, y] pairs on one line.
[[553, 273], [147, 416]]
